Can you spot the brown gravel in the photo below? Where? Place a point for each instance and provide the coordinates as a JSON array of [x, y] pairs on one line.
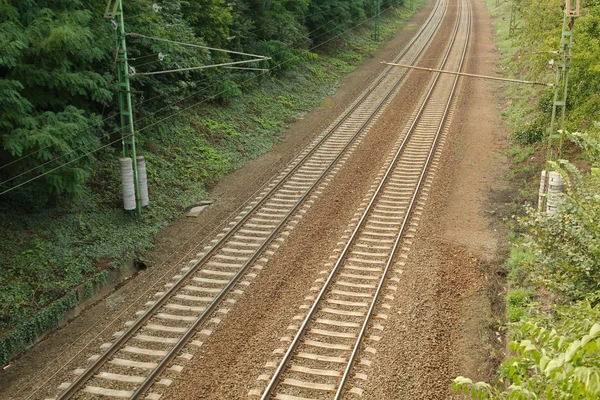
[[231, 360], [441, 312], [440, 319], [230, 194]]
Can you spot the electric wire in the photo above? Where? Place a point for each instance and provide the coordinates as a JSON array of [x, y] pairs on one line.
[[149, 115], [139, 35], [170, 71], [87, 145], [254, 77], [168, 257], [99, 123], [141, 57], [50, 145], [164, 119], [63, 165], [135, 58], [146, 63]]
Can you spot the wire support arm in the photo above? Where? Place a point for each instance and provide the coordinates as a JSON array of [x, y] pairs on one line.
[[139, 35], [494, 78], [141, 74]]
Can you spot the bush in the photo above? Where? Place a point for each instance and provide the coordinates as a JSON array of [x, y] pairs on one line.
[[567, 244], [553, 356], [226, 91], [516, 303], [282, 56], [532, 132]]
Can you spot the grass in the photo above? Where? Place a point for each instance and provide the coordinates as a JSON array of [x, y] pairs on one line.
[[516, 303], [47, 253]]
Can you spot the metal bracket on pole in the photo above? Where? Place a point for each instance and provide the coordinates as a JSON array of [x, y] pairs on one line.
[[114, 11], [572, 8], [110, 12]]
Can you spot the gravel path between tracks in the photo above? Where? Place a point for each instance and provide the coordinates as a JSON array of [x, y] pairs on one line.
[[440, 324], [229, 194], [232, 358]]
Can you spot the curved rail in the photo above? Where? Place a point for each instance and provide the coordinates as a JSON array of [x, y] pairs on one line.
[[89, 373], [283, 365]]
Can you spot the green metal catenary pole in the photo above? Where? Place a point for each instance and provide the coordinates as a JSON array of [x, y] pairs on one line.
[[556, 136], [124, 88]]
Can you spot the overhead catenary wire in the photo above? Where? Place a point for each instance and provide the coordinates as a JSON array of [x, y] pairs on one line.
[[63, 165], [139, 35], [170, 71], [176, 112], [254, 77], [99, 123], [168, 257], [170, 105], [109, 134], [248, 68], [50, 145], [142, 57], [494, 78], [147, 63], [149, 275]]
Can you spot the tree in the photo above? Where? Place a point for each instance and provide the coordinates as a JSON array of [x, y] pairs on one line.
[[51, 92], [331, 17], [210, 20]]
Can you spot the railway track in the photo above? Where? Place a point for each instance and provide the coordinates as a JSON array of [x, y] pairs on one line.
[[197, 298], [320, 357]]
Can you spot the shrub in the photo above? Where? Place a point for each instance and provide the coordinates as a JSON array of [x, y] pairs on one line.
[[553, 356], [516, 303], [567, 244], [532, 132], [226, 91]]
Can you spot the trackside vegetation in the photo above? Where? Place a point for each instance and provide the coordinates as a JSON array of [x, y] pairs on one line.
[[58, 114], [553, 270]]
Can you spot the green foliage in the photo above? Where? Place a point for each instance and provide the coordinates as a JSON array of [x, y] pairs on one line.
[[22, 337], [539, 32], [210, 20], [71, 242], [588, 142], [553, 356], [226, 91], [48, 61], [341, 15], [521, 257], [257, 21], [553, 349], [220, 128], [516, 303], [567, 244], [57, 85], [282, 56], [531, 132]]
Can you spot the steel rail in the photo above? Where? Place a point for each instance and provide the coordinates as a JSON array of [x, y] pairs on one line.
[[404, 222], [293, 345], [149, 381], [130, 332]]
